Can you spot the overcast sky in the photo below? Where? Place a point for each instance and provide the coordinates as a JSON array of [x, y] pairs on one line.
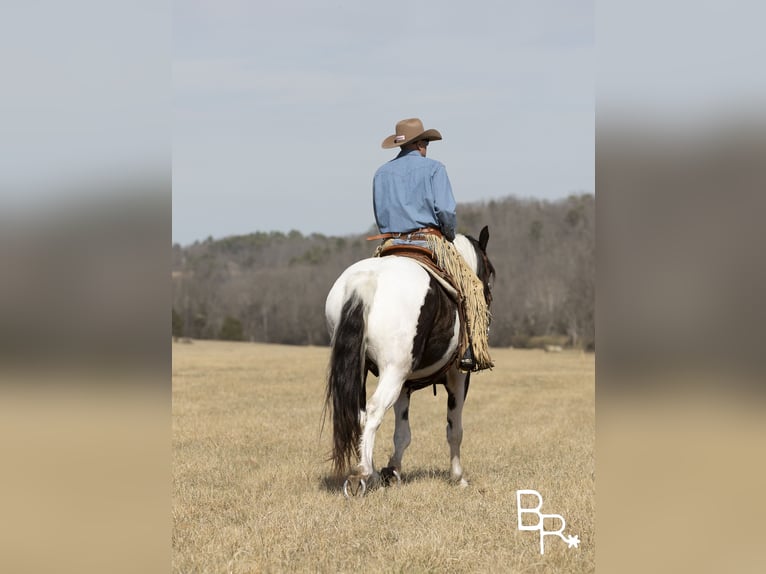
[[280, 107], [276, 109]]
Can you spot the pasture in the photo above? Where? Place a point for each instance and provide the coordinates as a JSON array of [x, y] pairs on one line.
[[252, 490]]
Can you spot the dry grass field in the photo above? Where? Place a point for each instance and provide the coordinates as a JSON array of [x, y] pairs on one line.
[[252, 491]]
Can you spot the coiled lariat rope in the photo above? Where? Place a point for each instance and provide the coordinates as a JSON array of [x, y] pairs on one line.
[[472, 294]]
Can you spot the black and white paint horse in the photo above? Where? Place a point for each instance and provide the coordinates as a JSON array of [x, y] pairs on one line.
[[389, 316]]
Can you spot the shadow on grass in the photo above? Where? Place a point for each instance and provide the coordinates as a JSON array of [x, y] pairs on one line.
[[422, 474], [333, 483]]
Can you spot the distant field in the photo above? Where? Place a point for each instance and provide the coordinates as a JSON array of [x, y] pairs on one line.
[[251, 488]]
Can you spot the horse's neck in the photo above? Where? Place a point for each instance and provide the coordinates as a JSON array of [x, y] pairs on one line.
[[466, 249]]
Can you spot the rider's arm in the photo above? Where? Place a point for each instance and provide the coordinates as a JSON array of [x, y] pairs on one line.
[[444, 202]]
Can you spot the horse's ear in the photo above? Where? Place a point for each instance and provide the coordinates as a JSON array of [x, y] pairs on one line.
[[484, 238]]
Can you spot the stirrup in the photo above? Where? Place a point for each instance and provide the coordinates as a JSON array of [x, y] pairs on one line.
[[468, 363]]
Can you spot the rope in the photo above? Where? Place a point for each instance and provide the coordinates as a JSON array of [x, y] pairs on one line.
[[472, 290]]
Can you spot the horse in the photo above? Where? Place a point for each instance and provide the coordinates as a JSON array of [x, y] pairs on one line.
[[389, 316]]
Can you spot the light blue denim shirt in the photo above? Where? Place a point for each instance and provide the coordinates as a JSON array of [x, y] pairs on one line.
[[412, 191]]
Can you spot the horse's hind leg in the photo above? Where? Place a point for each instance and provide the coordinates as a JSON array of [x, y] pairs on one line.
[[456, 391], [402, 437], [389, 387]]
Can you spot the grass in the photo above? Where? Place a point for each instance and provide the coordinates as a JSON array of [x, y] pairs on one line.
[[252, 490]]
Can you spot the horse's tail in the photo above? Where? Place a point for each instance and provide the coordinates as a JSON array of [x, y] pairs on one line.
[[345, 383]]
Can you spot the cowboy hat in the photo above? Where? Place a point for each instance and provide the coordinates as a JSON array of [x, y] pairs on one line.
[[408, 131]]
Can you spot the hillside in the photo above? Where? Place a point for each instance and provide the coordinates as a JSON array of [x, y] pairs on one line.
[[271, 287]]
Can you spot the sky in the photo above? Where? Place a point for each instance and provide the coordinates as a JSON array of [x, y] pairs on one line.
[[272, 112], [279, 108]]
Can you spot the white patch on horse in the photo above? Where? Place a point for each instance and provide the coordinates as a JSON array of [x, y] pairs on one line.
[[463, 245], [394, 312]]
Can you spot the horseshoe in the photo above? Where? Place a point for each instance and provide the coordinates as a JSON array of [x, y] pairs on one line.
[[362, 483]]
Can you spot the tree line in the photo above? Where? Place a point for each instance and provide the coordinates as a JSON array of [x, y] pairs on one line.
[[271, 286]]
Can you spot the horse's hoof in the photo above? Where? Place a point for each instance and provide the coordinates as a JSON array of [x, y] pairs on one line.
[[459, 481], [354, 487], [389, 475]]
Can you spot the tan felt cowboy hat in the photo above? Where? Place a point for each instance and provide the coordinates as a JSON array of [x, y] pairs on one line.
[[408, 131]]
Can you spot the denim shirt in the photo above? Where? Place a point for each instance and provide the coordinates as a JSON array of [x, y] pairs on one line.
[[412, 191]]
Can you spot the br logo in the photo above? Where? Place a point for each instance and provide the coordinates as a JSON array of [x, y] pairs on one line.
[[539, 521]]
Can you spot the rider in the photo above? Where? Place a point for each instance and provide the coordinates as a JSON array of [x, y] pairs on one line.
[[412, 199]]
